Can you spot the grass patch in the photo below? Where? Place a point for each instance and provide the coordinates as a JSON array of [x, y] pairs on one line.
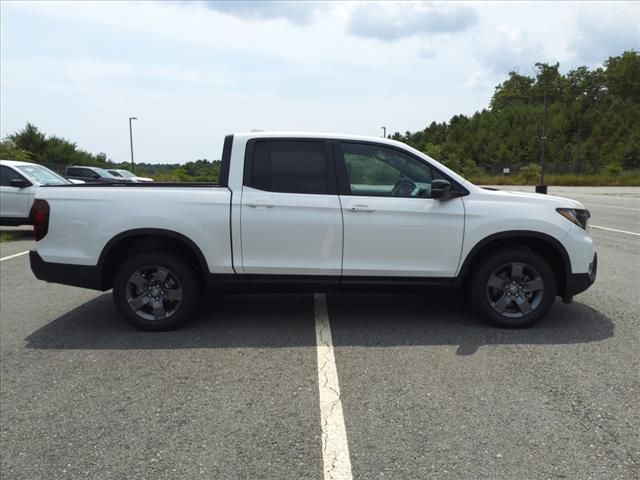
[[9, 235]]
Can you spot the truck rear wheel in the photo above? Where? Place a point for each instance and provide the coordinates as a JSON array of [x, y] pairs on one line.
[[513, 289], [156, 291]]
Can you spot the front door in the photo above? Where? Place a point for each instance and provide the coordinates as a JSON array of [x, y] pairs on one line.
[[392, 226], [14, 202]]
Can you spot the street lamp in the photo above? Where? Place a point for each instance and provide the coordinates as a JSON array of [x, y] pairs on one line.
[[384, 131], [131, 140]]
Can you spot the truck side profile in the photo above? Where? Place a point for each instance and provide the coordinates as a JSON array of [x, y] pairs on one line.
[[314, 212]]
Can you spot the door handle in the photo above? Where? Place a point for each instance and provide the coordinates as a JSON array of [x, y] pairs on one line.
[[362, 208], [260, 204]]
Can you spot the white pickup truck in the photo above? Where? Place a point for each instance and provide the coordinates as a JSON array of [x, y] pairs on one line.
[[314, 212]]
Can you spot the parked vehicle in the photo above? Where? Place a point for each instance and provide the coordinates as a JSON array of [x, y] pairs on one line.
[[314, 212], [18, 184], [92, 175], [127, 174]]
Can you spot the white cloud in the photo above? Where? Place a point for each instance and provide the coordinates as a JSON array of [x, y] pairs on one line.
[[599, 37], [393, 21]]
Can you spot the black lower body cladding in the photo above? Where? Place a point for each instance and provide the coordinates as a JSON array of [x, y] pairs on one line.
[[85, 276]]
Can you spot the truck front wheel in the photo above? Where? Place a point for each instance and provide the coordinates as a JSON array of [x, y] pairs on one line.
[[156, 291], [513, 289]]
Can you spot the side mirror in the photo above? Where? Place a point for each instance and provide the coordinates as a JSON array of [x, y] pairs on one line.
[[19, 183], [440, 188]]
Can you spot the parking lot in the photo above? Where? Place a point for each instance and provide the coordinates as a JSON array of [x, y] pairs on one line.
[[426, 390]]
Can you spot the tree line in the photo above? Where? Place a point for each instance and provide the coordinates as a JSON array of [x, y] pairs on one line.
[[593, 123], [593, 128], [32, 145]]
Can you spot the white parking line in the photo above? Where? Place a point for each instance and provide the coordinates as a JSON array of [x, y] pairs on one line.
[[613, 206], [14, 256], [335, 449], [614, 230]]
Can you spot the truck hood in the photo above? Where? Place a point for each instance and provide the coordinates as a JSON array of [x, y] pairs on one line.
[[533, 198]]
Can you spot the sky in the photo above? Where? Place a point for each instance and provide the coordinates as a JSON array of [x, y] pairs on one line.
[[194, 71]]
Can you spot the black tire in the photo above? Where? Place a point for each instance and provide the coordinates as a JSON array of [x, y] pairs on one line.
[[513, 288], [162, 285]]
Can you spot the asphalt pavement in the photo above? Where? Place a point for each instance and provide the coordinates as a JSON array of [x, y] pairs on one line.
[[427, 391]]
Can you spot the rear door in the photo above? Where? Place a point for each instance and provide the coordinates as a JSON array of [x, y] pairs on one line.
[[291, 220], [392, 226]]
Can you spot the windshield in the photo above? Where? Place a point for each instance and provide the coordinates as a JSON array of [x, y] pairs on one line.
[[41, 175], [103, 173], [126, 173]]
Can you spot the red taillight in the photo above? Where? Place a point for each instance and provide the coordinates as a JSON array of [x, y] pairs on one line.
[[40, 219]]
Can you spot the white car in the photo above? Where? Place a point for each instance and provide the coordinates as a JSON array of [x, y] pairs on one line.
[[127, 174], [18, 184], [320, 212]]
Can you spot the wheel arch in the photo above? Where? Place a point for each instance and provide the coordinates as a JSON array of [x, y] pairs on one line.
[[137, 240], [547, 246]]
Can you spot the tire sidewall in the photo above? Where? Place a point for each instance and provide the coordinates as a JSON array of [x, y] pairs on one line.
[[479, 298], [178, 267]]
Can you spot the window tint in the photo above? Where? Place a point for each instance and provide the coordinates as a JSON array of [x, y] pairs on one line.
[[7, 174], [378, 171], [290, 167], [82, 172]]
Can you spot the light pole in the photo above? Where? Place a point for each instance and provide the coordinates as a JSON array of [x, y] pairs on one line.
[[131, 140], [542, 188], [384, 131]]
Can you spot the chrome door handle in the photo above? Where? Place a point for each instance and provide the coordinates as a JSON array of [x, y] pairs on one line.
[[362, 208], [260, 204]]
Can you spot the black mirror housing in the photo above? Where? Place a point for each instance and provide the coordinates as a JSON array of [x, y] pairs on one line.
[[440, 188], [19, 183]]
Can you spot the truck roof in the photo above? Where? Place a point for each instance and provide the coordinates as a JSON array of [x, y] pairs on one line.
[[336, 136]]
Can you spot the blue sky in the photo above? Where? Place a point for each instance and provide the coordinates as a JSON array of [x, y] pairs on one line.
[[195, 71]]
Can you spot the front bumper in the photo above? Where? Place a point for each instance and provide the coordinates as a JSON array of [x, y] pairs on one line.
[[579, 282]]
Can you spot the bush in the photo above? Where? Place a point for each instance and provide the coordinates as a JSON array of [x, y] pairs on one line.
[[612, 169], [530, 172]]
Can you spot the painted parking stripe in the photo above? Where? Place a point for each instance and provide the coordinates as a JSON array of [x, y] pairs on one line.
[[614, 230], [613, 206], [14, 256], [335, 449]]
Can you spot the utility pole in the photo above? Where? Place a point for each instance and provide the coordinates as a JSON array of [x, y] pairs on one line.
[[384, 132], [131, 140], [542, 188]]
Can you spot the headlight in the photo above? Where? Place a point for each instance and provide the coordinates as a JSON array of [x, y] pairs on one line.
[[574, 215]]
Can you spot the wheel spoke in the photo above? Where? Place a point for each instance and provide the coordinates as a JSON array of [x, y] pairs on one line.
[[158, 309], [174, 294], [523, 304], [534, 285], [160, 275], [138, 302], [502, 304], [496, 282], [517, 271], [138, 280]]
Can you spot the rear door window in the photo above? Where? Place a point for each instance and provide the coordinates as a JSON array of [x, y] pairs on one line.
[[291, 166]]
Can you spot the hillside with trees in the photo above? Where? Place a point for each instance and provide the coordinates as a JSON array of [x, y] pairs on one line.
[[593, 124], [592, 135]]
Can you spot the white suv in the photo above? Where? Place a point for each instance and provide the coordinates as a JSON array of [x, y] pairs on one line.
[[18, 184]]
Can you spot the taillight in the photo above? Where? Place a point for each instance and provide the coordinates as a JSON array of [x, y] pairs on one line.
[[40, 219]]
